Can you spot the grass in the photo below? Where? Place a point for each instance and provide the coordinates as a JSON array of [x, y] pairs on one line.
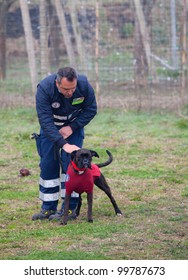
[[148, 178]]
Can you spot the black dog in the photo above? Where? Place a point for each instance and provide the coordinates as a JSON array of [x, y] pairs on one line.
[[82, 176]]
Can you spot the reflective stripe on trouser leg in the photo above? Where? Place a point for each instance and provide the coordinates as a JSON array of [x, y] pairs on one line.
[[77, 139], [49, 189], [49, 193]]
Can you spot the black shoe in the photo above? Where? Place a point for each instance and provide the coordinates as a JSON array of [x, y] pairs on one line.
[[59, 214], [44, 214]]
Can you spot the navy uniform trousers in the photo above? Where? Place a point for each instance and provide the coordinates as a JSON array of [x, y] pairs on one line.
[[52, 180]]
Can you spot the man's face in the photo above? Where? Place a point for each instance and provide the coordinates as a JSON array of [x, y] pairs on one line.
[[66, 87]]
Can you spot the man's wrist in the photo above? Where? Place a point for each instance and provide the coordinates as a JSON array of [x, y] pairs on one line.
[[61, 142]]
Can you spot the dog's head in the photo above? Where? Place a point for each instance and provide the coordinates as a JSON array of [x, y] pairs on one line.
[[83, 158]]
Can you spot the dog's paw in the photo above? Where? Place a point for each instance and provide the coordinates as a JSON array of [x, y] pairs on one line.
[[119, 214], [90, 220], [63, 223]]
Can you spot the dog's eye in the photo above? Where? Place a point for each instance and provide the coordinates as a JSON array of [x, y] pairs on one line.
[[87, 156]]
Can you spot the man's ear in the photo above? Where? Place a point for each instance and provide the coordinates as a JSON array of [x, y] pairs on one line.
[[73, 155], [94, 154]]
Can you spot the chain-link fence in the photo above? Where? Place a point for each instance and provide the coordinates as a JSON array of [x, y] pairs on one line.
[[133, 52]]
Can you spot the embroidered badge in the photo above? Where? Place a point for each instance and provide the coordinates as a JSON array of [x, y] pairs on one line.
[[55, 105], [77, 100]]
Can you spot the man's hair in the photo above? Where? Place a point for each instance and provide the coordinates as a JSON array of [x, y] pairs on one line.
[[66, 72]]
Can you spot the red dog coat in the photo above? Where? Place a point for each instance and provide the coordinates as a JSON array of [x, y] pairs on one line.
[[83, 181]]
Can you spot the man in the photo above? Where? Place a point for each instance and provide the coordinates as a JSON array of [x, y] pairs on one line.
[[65, 103]]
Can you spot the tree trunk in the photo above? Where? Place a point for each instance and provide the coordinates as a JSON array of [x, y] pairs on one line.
[[173, 31], [53, 36], [43, 39], [66, 37], [97, 50], [143, 32], [29, 43], [4, 6], [143, 15], [183, 50], [2, 49], [141, 70], [3, 18], [78, 40]]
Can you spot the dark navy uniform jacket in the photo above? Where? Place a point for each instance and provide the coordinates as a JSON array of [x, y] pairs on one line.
[[55, 111]]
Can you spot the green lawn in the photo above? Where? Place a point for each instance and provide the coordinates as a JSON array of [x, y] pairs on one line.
[[148, 177]]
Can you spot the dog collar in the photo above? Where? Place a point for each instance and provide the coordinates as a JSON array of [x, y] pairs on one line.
[[76, 169]]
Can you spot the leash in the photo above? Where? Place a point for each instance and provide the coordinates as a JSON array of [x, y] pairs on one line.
[[57, 155]]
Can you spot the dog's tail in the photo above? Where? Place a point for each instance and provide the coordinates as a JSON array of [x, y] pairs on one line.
[[110, 159]]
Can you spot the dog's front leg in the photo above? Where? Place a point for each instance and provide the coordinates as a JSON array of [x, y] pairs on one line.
[[90, 204], [78, 207], [66, 209]]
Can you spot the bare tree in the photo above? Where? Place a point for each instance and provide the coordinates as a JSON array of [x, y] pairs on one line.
[[142, 41], [43, 39], [65, 33], [143, 31], [77, 34], [4, 6], [183, 50], [29, 42], [53, 36], [173, 31], [141, 69], [97, 49]]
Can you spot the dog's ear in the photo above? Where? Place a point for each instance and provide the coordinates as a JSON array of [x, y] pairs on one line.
[[94, 154], [73, 154]]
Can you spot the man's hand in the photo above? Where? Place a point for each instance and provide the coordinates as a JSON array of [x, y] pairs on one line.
[[70, 148], [66, 131]]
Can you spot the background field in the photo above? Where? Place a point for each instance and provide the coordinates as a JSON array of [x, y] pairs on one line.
[[148, 177]]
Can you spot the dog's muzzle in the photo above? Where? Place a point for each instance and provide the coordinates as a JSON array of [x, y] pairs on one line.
[[86, 163]]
